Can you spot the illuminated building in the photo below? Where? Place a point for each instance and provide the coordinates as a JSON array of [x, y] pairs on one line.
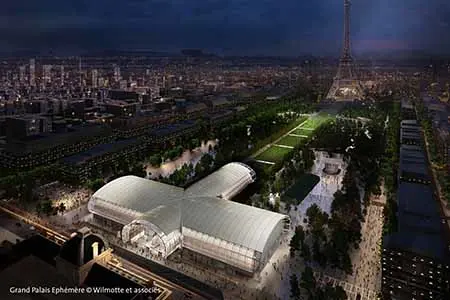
[[161, 218]]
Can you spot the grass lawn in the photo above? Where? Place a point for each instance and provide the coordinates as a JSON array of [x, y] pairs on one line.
[[300, 131], [290, 140], [316, 121], [301, 188], [273, 154]]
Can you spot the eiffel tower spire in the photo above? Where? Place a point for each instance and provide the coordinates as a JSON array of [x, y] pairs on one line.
[[345, 85], [346, 52]]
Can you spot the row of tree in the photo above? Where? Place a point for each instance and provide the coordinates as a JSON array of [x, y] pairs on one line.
[[437, 158], [188, 173], [389, 168], [21, 185], [46, 207]]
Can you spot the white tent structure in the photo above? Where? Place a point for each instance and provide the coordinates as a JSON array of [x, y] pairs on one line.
[[162, 218]]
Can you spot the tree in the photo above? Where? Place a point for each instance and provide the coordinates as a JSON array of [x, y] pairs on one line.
[[295, 289], [339, 293], [95, 184], [219, 158], [276, 207], [47, 207], [308, 281], [38, 208], [306, 252], [61, 208], [277, 185], [123, 165], [329, 292], [198, 169], [138, 170], [155, 160], [298, 238]]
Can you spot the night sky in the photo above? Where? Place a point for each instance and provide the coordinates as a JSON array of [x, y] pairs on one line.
[[230, 27]]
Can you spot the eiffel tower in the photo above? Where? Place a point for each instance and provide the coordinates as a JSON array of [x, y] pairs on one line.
[[345, 85]]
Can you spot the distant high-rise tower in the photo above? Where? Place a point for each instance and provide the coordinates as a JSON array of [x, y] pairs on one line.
[[22, 75], [80, 72], [32, 72], [94, 78], [117, 76], [47, 73], [345, 85], [62, 75]]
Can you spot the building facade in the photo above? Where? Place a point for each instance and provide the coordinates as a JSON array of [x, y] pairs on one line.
[[159, 218]]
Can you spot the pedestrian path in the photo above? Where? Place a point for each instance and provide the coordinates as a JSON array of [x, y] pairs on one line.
[[352, 290], [284, 146], [298, 135], [265, 162]]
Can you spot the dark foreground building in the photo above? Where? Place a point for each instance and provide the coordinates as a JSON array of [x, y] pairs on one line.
[[86, 262], [34, 267], [415, 259]]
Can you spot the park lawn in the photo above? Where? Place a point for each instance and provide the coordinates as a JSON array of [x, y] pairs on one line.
[[316, 121], [301, 188], [301, 131], [290, 140], [273, 154], [299, 121]]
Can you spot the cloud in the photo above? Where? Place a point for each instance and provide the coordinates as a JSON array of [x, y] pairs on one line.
[[288, 26]]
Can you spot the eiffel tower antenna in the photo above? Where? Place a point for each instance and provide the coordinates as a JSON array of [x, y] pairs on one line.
[[345, 85]]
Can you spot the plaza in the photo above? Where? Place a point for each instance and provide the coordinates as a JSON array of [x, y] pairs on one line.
[[323, 193]]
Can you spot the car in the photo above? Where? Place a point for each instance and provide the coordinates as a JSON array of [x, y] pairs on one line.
[[18, 224], [32, 228]]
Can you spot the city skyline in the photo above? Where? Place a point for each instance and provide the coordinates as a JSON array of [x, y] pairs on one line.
[[223, 27]]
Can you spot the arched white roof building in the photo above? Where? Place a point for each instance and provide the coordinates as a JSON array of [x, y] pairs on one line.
[[225, 183], [199, 218]]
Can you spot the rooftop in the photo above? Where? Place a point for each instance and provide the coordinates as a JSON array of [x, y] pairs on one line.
[[417, 199], [419, 222], [100, 150], [414, 166], [417, 208], [431, 246], [46, 141], [172, 128], [32, 271], [409, 122]]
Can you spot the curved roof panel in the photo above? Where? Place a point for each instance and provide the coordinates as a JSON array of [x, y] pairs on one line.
[[138, 194], [219, 182], [233, 222], [166, 217]]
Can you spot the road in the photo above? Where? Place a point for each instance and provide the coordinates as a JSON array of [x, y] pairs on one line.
[[45, 230], [15, 226], [367, 258]]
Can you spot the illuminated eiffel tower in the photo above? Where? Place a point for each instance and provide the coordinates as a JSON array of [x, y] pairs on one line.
[[345, 85]]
